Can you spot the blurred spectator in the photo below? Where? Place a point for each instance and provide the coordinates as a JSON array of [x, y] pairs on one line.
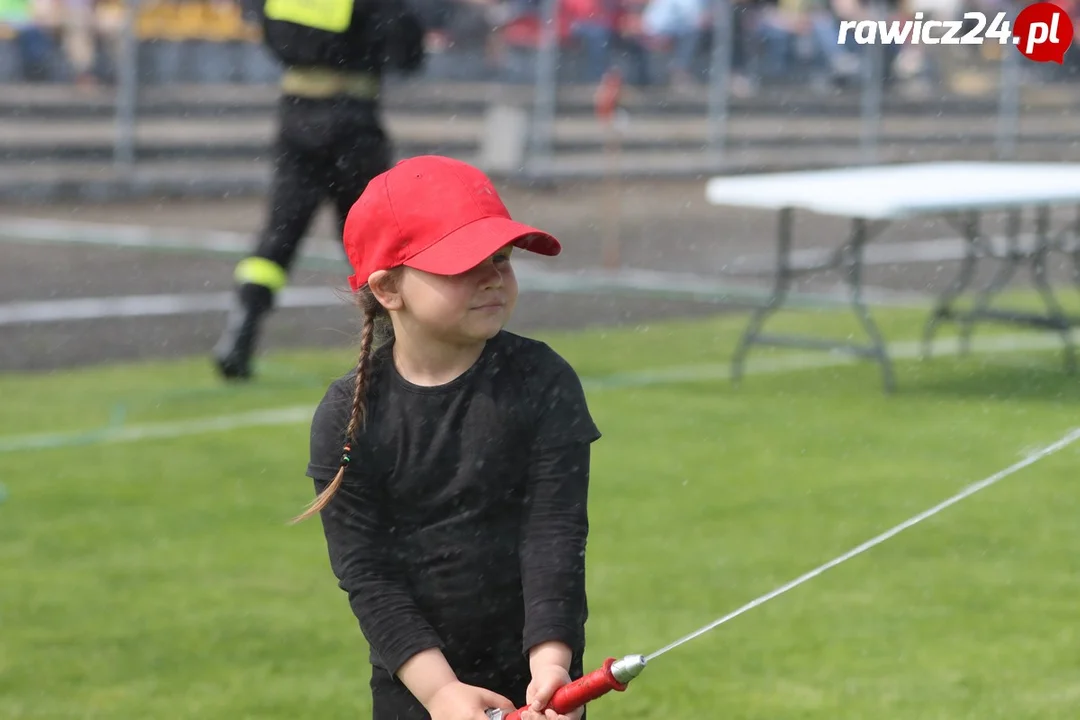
[[632, 43], [791, 31], [507, 17], [61, 38], [472, 30], [864, 10], [108, 28], [76, 20], [593, 24], [744, 56], [35, 48], [650, 41], [437, 17], [675, 27]]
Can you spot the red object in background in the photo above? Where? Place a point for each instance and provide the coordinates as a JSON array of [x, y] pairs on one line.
[[525, 31], [608, 94]]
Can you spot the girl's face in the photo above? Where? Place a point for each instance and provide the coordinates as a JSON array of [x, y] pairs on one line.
[[471, 307]]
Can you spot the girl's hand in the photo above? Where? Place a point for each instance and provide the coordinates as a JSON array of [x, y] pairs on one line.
[[546, 679], [458, 701]]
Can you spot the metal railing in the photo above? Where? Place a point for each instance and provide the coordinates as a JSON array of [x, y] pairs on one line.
[[733, 114]]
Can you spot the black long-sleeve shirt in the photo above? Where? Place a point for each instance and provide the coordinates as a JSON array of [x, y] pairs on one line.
[[462, 520]]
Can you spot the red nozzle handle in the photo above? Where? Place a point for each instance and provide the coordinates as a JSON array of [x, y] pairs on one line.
[[585, 689]]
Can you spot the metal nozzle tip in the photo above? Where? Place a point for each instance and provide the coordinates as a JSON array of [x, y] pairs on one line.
[[628, 668]]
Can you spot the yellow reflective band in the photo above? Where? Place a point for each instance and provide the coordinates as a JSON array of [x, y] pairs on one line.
[[324, 83], [329, 15], [260, 271]]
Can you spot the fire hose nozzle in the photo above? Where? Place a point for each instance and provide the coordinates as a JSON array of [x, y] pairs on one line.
[[628, 668], [613, 675]]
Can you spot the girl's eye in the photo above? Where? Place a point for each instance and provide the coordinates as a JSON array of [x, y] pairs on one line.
[[502, 257]]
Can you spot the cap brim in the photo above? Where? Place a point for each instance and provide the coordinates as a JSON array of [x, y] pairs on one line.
[[471, 244]]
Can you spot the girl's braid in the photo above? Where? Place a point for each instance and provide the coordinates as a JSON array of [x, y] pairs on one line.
[[363, 366], [356, 416]]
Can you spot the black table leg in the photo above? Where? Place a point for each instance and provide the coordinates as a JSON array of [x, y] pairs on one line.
[[943, 309], [781, 286], [1014, 255], [1057, 318], [853, 275], [849, 255]]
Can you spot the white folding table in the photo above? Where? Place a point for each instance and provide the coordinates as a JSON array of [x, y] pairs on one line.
[[873, 196]]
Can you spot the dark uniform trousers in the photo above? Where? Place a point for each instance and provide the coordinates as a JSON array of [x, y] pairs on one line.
[[326, 149]]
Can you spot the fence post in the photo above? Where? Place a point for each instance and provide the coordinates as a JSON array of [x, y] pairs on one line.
[[873, 87], [720, 79], [127, 89], [1008, 99], [545, 90]]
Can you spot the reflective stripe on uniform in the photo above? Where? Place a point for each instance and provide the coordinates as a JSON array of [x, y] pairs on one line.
[[330, 15], [326, 83], [260, 271]]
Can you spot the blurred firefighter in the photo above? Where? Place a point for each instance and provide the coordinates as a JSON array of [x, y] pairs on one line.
[[330, 140]]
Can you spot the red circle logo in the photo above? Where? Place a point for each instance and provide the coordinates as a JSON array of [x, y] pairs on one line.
[[1043, 32]]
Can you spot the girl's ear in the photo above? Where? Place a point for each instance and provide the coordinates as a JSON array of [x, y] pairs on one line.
[[384, 286]]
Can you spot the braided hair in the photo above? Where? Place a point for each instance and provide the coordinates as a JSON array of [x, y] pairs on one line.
[[376, 330]]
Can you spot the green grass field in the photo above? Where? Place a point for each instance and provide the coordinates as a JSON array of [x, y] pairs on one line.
[[157, 578]]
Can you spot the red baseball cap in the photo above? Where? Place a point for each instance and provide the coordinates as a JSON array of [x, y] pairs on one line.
[[434, 214]]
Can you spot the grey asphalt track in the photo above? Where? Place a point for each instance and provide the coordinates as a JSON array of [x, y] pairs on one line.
[[664, 226]]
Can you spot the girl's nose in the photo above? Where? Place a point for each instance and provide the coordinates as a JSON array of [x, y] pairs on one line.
[[490, 274]]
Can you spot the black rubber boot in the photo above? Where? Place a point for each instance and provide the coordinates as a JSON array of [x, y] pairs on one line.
[[233, 352]]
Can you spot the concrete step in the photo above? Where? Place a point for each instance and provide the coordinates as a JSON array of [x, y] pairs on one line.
[[456, 97], [194, 138], [96, 182]]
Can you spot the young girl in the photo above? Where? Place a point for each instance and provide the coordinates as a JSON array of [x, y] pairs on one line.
[[452, 465]]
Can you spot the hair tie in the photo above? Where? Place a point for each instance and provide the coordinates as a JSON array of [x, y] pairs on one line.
[[345, 459]]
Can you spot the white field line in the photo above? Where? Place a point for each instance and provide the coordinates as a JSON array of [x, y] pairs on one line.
[[299, 414], [159, 431], [534, 275], [135, 306], [670, 285], [145, 237], [22, 229]]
